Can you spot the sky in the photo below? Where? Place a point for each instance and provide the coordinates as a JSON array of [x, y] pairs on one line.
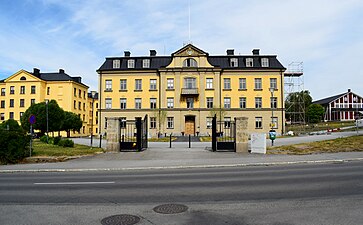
[[326, 35]]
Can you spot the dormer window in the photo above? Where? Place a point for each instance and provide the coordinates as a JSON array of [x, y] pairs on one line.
[[116, 64], [249, 62], [234, 62], [190, 63], [131, 63], [146, 63], [264, 62]]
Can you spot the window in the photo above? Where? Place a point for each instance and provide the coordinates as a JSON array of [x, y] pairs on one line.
[[273, 83], [138, 84], [84, 106], [11, 115], [2, 104], [152, 122], [23, 78], [123, 84], [79, 105], [21, 114], [258, 102], [209, 102], [108, 85], [108, 102], [273, 102], [21, 103], [131, 63], [48, 90], [79, 93], [152, 103], [209, 83], [227, 102], [190, 103], [122, 103], [22, 90], [227, 122], [249, 62], [123, 122], [264, 62], [242, 84], [84, 94], [3, 91], [32, 101], [258, 83], [234, 62], [190, 63], [152, 84], [170, 123], [242, 102], [189, 82], [2, 116], [146, 63], [258, 122], [209, 122], [227, 83], [170, 103], [116, 64], [84, 117], [75, 92], [32, 90], [170, 83], [274, 123], [11, 103], [12, 90], [74, 104]]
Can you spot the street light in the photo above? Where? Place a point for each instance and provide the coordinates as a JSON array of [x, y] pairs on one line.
[[46, 102], [93, 94], [272, 132]]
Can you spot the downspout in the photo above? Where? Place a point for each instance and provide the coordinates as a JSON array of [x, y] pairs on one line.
[[158, 72], [282, 103], [100, 109]]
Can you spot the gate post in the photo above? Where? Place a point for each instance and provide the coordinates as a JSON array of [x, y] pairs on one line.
[[241, 134], [138, 134], [214, 133], [113, 134]]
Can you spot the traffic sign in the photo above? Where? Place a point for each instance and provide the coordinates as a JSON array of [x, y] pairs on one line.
[[32, 119]]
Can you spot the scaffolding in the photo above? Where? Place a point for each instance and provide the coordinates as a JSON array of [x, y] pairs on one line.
[[294, 101]]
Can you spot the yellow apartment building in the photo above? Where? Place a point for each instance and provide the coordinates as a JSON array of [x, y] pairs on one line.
[[24, 88], [180, 93]]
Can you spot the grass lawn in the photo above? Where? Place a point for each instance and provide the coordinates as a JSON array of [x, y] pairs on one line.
[[349, 144], [318, 127], [43, 149]]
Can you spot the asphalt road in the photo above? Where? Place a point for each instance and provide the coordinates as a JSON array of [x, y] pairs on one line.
[[277, 195]]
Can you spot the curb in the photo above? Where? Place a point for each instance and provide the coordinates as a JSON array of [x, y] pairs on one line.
[[187, 167]]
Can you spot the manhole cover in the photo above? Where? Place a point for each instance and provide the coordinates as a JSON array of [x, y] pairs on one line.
[[170, 208], [123, 219]]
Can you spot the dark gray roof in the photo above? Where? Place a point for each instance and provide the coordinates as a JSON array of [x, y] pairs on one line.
[[224, 62], [60, 76], [156, 62], [90, 95], [325, 101]]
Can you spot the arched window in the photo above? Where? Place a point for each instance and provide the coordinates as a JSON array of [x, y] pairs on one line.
[[190, 63], [23, 78]]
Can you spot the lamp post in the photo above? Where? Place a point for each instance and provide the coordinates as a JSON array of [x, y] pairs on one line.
[[93, 93], [46, 102], [272, 132]]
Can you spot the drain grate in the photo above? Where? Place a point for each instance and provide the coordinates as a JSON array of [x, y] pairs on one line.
[[122, 219], [170, 208]]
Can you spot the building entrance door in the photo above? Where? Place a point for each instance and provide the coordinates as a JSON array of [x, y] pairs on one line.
[[189, 125]]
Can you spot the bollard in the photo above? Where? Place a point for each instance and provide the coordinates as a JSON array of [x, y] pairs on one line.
[[170, 141], [189, 141]]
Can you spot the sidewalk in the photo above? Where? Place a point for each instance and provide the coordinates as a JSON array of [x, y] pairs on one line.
[[159, 156]]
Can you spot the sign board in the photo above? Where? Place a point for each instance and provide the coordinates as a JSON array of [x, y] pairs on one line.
[[258, 143], [32, 119]]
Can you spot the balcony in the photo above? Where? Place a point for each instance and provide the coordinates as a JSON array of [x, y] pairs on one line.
[[189, 91]]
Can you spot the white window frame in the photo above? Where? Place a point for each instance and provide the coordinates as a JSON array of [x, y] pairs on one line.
[[234, 62], [190, 103], [242, 83], [273, 101], [274, 120], [116, 64], [170, 83], [131, 63], [258, 102], [249, 62], [227, 102], [209, 102], [138, 84], [227, 83], [209, 83], [138, 103], [152, 122], [264, 62], [190, 62], [258, 123], [2, 116], [242, 102], [273, 83], [146, 63], [123, 102], [170, 123], [170, 102], [152, 103], [108, 85], [227, 122], [22, 90], [108, 103], [123, 84], [209, 122], [190, 82], [258, 83], [152, 84]]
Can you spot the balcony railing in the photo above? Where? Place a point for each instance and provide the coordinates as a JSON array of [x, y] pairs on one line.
[[189, 91]]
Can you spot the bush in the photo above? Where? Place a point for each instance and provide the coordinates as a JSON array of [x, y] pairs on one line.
[[43, 138], [56, 140], [66, 143]]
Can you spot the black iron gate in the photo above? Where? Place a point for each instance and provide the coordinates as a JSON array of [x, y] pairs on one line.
[[133, 134], [223, 135]]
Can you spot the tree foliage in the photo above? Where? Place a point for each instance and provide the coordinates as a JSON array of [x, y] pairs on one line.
[[315, 113], [13, 142], [71, 122], [220, 112], [297, 102]]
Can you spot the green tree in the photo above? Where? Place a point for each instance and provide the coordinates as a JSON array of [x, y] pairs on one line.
[[13, 142], [71, 122], [55, 117], [315, 113], [161, 117], [297, 102]]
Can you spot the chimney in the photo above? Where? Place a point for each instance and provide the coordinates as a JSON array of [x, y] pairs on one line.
[[256, 51], [349, 90], [61, 70], [127, 53], [152, 53], [230, 51], [36, 71]]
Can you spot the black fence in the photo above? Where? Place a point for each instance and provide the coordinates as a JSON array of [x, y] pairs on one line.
[[223, 135], [133, 134]]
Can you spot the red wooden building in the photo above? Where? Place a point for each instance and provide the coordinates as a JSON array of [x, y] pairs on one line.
[[346, 106]]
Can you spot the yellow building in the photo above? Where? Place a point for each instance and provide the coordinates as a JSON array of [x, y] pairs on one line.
[[181, 92], [24, 88]]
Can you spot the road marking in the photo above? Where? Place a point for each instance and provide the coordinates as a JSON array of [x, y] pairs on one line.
[[63, 183]]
